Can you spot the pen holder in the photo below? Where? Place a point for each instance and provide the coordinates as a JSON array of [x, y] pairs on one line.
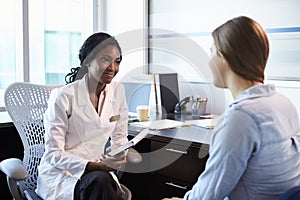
[[199, 107]]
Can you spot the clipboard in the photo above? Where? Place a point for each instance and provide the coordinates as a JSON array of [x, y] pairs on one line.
[[130, 143]]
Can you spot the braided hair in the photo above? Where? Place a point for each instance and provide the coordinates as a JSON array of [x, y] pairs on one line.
[[88, 51]]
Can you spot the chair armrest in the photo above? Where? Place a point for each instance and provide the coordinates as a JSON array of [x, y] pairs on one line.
[[13, 168], [133, 156]]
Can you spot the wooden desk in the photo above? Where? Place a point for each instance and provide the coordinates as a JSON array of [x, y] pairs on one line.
[[172, 161]]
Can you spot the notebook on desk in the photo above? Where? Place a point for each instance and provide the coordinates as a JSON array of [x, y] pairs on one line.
[[161, 124]]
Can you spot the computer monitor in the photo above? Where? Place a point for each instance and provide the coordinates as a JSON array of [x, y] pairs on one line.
[[169, 92], [137, 94]]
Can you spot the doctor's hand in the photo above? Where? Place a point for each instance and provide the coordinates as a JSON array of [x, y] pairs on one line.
[[107, 163], [115, 162]]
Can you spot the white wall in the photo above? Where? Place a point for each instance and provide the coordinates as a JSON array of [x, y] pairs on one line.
[[219, 99]]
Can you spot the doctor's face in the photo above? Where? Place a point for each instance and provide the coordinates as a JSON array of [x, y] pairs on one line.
[[105, 65]]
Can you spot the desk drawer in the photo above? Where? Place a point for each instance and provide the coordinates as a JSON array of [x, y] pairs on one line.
[[181, 162], [167, 187]]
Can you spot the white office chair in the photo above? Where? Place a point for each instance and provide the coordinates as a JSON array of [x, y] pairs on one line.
[[26, 104]]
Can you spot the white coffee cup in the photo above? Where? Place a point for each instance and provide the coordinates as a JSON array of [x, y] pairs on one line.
[[142, 113]]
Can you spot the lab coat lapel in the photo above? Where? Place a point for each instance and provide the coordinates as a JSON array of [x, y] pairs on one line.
[[84, 101], [107, 107]]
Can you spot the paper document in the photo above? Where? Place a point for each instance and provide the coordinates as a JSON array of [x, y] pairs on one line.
[[130, 143], [205, 123], [161, 124]]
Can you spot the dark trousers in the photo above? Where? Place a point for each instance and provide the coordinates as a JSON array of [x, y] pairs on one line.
[[96, 185]]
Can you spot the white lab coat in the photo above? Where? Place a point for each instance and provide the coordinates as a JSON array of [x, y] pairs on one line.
[[75, 134]]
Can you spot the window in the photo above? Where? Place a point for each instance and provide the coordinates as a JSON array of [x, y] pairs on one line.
[[58, 43], [176, 22], [55, 36], [10, 43], [41, 39], [125, 19]]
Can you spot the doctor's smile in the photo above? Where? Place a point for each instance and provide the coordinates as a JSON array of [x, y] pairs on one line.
[[105, 65]]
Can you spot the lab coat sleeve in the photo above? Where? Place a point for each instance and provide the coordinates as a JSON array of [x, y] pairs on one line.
[[56, 125], [120, 132], [235, 139]]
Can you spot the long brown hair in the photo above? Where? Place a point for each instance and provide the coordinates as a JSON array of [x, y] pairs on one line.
[[244, 44]]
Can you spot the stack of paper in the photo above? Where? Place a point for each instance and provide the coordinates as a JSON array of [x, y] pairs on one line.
[[160, 124]]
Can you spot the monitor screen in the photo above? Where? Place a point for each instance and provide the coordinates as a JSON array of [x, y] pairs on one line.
[[169, 92]]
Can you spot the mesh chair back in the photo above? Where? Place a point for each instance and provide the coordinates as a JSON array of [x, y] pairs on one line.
[[26, 104]]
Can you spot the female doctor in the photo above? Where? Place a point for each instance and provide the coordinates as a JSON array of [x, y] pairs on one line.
[[80, 119]]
